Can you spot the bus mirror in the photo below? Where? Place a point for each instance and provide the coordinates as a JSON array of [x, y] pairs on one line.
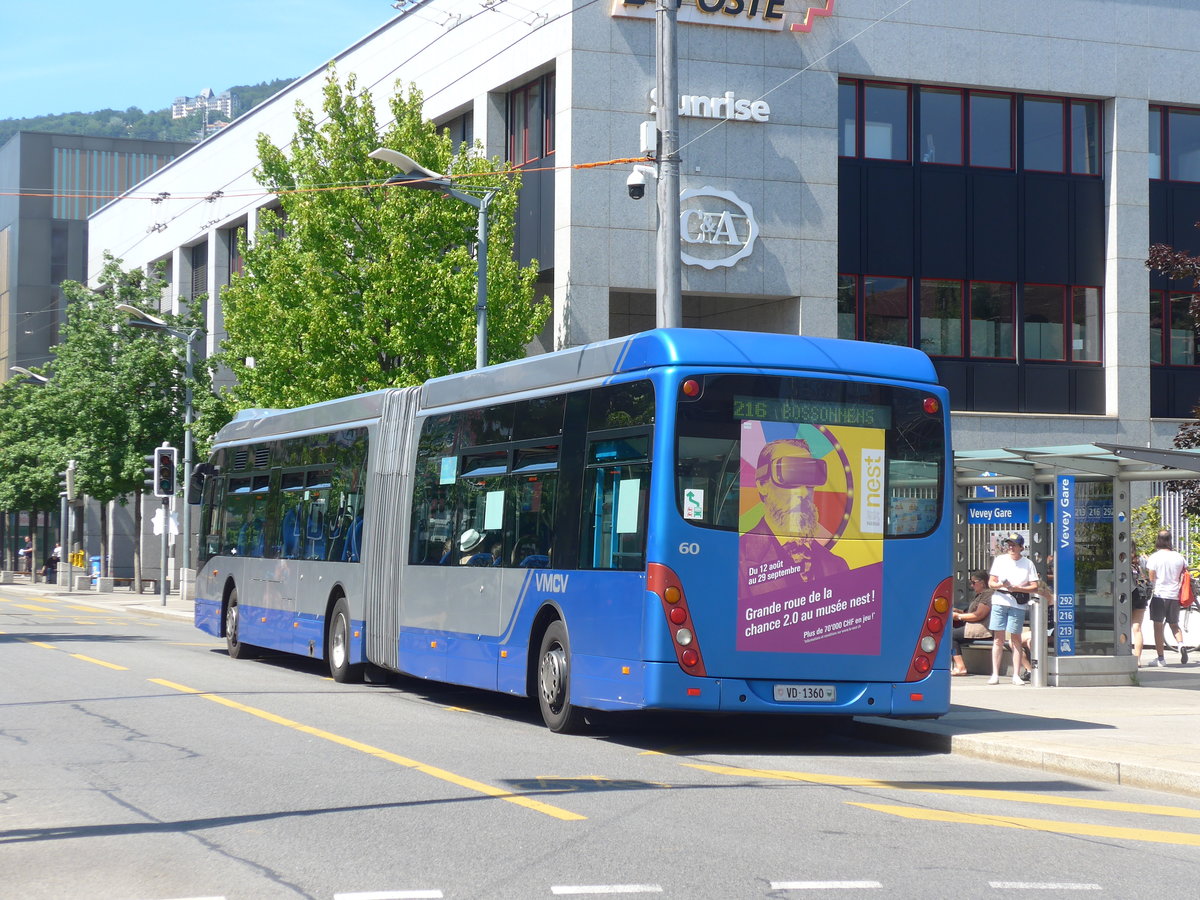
[[196, 486]]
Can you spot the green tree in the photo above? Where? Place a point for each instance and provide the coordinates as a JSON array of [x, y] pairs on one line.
[[31, 454], [350, 288]]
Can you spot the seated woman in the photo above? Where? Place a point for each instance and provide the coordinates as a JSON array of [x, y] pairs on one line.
[[969, 625]]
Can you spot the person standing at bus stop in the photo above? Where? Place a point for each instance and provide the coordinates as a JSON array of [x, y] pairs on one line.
[[1012, 574], [1166, 567]]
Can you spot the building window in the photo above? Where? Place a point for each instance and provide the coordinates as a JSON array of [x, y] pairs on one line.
[[1085, 137], [531, 121], [886, 307], [1085, 324], [1179, 345], [991, 130], [1044, 321], [1042, 123], [461, 130], [885, 121], [1156, 124], [237, 264], [941, 126], [1183, 144], [847, 307], [847, 118], [991, 320], [942, 317]]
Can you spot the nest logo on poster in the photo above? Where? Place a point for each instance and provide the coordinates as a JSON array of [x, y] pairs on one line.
[[871, 484]]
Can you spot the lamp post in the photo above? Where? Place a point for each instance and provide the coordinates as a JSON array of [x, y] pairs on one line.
[[142, 319], [417, 176]]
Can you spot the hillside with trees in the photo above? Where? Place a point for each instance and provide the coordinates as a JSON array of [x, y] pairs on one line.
[[156, 125]]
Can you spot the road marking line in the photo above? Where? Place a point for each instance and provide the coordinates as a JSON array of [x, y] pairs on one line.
[[606, 889], [100, 662], [985, 794], [1109, 831], [433, 771], [41, 644], [1042, 886], [823, 885], [391, 895], [33, 607]]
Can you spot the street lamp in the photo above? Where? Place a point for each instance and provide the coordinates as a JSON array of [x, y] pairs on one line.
[[28, 375], [142, 319], [417, 176]]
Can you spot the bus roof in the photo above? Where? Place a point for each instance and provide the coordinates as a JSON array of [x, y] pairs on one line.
[[704, 347], [691, 346]]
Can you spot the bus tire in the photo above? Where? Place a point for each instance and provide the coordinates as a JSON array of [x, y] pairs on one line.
[[233, 617], [554, 681], [338, 646]]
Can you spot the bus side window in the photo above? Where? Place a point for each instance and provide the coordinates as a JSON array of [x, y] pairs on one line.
[[616, 489]]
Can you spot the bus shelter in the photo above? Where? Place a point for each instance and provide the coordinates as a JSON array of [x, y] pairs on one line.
[[1072, 504]]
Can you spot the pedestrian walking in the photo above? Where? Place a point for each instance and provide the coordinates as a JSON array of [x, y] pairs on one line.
[[1012, 578], [1167, 568]]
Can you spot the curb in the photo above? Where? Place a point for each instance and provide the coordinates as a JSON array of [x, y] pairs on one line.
[[1127, 774]]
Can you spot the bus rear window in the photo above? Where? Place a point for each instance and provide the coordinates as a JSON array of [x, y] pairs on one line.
[[815, 444]]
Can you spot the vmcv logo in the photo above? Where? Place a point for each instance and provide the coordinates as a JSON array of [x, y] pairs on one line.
[[717, 227]]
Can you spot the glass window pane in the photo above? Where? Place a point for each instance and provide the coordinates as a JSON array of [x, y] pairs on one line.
[[1156, 327], [1183, 136], [1085, 137], [991, 130], [885, 121], [941, 317], [1044, 321], [847, 307], [941, 126], [1042, 120], [1156, 142], [1085, 328], [1183, 331], [991, 320], [847, 117], [885, 310]]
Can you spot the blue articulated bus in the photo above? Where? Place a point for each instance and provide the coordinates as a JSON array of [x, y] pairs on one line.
[[681, 519]]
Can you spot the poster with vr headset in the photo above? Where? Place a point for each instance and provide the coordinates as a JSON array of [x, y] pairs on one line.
[[810, 548]]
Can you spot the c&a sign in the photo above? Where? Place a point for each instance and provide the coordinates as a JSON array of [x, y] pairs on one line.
[[765, 15], [717, 228]]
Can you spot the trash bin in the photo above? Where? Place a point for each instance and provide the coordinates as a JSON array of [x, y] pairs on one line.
[[95, 568]]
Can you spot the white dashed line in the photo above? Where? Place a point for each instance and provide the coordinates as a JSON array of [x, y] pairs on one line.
[[606, 889], [1042, 886], [391, 895], [823, 885]]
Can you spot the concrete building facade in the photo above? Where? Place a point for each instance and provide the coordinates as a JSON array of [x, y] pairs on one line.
[[978, 178]]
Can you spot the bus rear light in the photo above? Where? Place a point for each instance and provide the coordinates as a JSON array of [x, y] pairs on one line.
[[931, 405], [693, 692], [932, 630], [691, 388], [916, 698], [663, 582]]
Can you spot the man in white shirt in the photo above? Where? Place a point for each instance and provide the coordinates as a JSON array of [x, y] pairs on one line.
[[1011, 572], [1167, 568]]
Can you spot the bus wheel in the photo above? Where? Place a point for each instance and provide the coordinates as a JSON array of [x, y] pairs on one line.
[[554, 682], [233, 643], [338, 649]]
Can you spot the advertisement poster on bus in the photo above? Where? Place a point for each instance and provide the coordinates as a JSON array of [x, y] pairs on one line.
[[810, 553]]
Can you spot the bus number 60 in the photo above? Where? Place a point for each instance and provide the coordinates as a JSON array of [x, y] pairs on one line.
[[689, 548]]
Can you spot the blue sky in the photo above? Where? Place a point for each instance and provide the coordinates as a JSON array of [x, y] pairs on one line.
[[61, 56]]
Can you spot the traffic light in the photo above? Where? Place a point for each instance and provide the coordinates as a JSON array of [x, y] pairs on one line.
[[164, 472], [149, 473], [66, 482]]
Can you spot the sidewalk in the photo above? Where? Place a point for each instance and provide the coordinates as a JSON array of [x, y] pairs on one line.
[[1146, 735]]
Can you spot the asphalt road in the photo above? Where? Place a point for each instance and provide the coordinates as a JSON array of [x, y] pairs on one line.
[[138, 761]]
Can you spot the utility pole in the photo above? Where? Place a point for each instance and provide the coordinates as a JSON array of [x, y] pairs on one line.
[[668, 276]]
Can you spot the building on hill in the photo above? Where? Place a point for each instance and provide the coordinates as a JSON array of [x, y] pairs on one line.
[[57, 181], [206, 101]]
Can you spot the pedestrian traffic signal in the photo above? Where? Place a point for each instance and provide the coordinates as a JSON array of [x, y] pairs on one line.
[[164, 472]]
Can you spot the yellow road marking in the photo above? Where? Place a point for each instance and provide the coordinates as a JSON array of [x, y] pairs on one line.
[[41, 644], [34, 608], [433, 771], [100, 662], [1106, 831], [1011, 796]]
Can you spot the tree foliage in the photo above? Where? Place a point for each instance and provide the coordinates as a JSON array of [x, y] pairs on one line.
[[349, 288], [1181, 266]]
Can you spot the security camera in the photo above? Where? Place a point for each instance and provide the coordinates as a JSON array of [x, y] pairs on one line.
[[636, 182]]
